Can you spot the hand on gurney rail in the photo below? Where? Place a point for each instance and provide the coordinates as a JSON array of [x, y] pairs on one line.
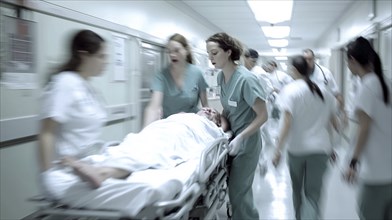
[[235, 145]]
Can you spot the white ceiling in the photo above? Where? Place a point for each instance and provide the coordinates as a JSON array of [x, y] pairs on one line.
[[310, 20]]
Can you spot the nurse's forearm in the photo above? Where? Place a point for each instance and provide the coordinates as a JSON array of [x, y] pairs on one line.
[[203, 99], [262, 116], [363, 132], [46, 143], [285, 130], [341, 103], [150, 116]]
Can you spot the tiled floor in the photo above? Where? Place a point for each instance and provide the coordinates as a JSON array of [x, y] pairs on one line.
[[272, 193]]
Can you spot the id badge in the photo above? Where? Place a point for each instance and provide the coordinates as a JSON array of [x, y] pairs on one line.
[[232, 103]]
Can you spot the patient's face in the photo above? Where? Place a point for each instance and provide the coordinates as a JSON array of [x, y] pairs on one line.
[[211, 114]]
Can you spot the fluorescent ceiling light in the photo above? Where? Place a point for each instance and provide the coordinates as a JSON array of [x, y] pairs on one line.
[[271, 11], [276, 31], [278, 43], [281, 58]]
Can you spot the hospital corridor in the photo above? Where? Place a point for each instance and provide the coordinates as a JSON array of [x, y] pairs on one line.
[[195, 109]]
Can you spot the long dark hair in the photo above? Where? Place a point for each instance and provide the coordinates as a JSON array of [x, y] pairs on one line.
[[362, 51], [299, 62], [182, 40], [84, 40]]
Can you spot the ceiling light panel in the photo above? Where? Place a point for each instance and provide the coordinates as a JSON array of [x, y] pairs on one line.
[[278, 43], [271, 11], [276, 31]]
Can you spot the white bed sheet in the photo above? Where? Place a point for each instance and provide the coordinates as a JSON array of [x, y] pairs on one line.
[[130, 196]]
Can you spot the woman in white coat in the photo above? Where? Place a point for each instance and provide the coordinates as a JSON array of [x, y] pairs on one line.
[[72, 114], [373, 142], [308, 111]]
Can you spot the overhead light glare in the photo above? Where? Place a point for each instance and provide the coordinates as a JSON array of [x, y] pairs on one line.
[[276, 31], [271, 11], [278, 43]]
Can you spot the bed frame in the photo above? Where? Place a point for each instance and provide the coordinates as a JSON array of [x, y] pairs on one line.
[[200, 200]]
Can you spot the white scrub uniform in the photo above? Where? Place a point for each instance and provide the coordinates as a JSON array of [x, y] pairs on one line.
[[376, 159], [264, 81], [278, 80], [375, 194], [73, 103], [310, 118], [328, 81], [324, 79]]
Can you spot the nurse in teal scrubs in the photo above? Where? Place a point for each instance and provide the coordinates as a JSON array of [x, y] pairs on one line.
[[179, 87], [243, 101]]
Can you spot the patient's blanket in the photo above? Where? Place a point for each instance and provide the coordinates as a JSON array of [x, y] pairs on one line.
[[164, 143], [174, 143]]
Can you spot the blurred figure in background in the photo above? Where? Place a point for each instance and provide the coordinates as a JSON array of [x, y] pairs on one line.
[[250, 61], [323, 77], [243, 101], [179, 87], [307, 113], [372, 153], [72, 113], [278, 80]]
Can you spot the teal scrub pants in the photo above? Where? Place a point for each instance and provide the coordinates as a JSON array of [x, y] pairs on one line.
[[241, 177], [307, 172], [375, 201]]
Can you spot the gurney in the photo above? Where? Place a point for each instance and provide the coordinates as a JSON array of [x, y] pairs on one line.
[[202, 194]]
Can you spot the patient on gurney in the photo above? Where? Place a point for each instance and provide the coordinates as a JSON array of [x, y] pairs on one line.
[[163, 144]]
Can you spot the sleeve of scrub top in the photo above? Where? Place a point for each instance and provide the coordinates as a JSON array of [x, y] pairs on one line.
[[265, 83], [158, 82], [288, 79], [286, 99], [253, 90], [58, 99], [331, 82], [202, 84], [366, 100]]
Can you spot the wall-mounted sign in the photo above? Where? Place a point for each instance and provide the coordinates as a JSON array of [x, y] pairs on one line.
[[18, 67]]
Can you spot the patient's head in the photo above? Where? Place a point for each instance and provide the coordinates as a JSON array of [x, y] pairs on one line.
[[211, 114], [216, 117]]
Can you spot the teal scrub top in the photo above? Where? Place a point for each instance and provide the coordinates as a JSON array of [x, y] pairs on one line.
[[177, 100], [238, 96]]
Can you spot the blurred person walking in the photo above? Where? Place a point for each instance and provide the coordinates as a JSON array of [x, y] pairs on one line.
[[371, 159], [308, 111]]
